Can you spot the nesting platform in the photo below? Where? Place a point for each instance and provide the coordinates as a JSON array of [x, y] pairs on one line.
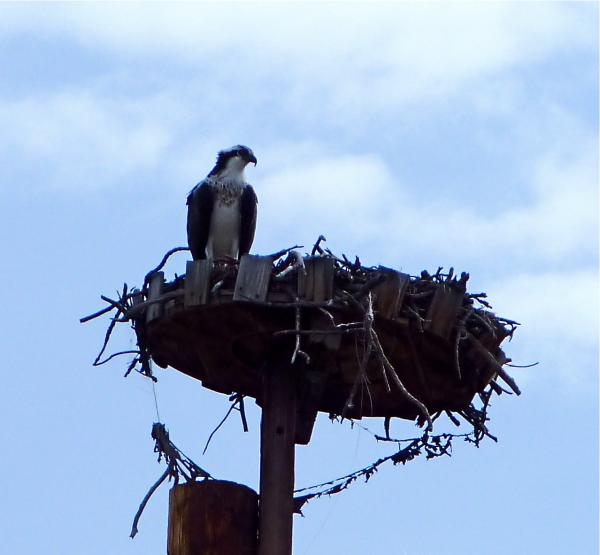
[[222, 325]]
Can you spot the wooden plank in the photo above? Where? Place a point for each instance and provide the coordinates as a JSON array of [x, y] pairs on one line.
[[213, 517], [443, 310], [311, 392], [390, 294], [277, 452], [154, 290], [317, 284], [197, 281], [254, 275], [170, 307], [137, 297]]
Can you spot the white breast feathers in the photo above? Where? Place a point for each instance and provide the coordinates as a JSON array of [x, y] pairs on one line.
[[224, 234]]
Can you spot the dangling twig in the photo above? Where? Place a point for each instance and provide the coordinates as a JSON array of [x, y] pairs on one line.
[[178, 465], [297, 350], [233, 405]]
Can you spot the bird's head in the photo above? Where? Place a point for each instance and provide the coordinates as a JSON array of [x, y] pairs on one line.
[[233, 160]]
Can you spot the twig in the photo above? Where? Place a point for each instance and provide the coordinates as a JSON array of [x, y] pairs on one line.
[[317, 246], [140, 308], [330, 331], [483, 319], [370, 285], [233, 405], [177, 464], [362, 370], [497, 389], [460, 335], [107, 335], [396, 379], [452, 418], [522, 365], [297, 350], [435, 446], [494, 363], [280, 253], [328, 314], [101, 362], [96, 314], [163, 262], [115, 304], [419, 319], [155, 486], [509, 381], [242, 410]]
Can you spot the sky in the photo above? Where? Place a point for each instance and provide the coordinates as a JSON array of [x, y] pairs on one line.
[[415, 135]]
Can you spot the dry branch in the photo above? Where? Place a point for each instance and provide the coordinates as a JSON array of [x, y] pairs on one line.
[[352, 302]]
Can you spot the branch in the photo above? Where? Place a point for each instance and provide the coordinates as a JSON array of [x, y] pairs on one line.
[[407, 395], [140, 308], [280, 253], [163, 262], [494, 363], [219, 425], [99, 363], [297, 350], [96, 314], [134, 528], [317, 246]]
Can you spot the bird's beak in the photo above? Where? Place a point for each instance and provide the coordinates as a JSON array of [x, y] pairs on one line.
[[252, 159]]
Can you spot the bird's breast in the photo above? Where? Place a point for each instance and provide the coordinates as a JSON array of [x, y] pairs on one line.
[[224, 229]]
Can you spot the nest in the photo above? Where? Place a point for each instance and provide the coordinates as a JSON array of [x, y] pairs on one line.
[[362, 341], [367, 341]]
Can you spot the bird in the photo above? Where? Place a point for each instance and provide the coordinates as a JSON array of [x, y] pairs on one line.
[[221, 218]]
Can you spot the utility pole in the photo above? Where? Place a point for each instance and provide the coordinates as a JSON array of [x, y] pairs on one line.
[[277, 450]]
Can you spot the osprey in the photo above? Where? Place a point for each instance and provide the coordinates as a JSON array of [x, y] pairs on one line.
[[222, 208]]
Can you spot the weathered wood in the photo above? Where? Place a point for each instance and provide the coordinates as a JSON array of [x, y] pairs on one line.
[[170, 307], [212, 517], [389, 294], [154, 290], [309, 400], [254, 275], [317, 283], [277, 435], [443, 310], [226, 345], [197, 281]]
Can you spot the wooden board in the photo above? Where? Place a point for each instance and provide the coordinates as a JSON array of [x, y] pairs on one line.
[[443, 311], [154, 290], [254, 275], [197, 280], [389, 295], [317, 283]]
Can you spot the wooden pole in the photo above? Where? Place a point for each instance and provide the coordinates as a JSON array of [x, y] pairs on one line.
[[277, 433], [213, 517]]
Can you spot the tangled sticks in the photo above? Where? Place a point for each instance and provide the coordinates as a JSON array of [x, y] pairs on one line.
[[421, 343], [178, 466]]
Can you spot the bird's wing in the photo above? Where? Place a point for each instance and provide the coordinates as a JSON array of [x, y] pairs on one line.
[[200, 206], [248, 204]]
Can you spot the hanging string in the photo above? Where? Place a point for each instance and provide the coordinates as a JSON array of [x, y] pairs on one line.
[[155, 398]]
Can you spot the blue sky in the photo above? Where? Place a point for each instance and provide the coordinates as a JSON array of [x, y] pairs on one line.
[[414, 135]]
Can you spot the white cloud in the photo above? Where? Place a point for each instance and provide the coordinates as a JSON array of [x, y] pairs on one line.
[[361, 205], [350, 57], [81, 140], [320, 66], [337, 196], [559, 312]]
